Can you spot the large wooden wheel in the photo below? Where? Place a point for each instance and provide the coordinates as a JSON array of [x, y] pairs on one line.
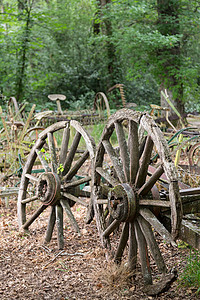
[[64, 150], [134, 180]]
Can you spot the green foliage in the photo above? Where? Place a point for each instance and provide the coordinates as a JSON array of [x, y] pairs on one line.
[[50, 47], [60, 169], [190, 276]]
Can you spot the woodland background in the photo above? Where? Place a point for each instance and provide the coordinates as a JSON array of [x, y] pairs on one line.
[[80, 47]]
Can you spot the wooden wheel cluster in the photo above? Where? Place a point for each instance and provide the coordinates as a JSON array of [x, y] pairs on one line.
[[58, 184], [133, 181]]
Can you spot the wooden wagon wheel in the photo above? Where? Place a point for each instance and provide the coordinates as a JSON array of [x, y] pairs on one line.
[[101, 104], [194, 155], [130, 190], [59, 184], [14, 105], [15, 111]]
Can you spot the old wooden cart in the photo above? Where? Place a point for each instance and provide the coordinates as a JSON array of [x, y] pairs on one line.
[[128, 183]]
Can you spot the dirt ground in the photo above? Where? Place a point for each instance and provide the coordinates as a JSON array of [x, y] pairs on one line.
[[31, 270]]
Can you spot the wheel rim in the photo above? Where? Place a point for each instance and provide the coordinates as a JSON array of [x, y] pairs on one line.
[[194, 159]]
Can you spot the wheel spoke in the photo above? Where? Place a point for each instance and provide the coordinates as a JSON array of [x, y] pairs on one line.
[[31, 177], [107, 176], [64, 145], [43, 161], [134, 150], [176, 208], [75, 199], [52, 150], [159, 227], [77, 166], [31, 199], [72, 152], [144, 257], [59, 224], [70, 215], [132, 253], [145, 188], [145, 160], [77, 182], [122, 243], [111, 228], [51, 224], [34, 216], [115, 160], [123, 149], [153, 246]]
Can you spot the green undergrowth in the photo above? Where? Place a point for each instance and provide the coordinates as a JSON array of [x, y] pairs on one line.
[[190, 277]]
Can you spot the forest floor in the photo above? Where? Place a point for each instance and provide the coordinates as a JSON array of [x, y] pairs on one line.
[[31, 270]]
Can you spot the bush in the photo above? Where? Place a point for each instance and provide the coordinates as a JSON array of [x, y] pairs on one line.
[[190, 276]]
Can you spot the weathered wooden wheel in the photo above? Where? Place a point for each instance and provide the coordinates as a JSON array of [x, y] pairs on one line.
[[134, 179], [194, 155], [59, 183], [101, 105]]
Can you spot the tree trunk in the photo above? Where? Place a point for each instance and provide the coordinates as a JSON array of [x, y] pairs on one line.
[[20, 81], [110, 48], [168, 24]]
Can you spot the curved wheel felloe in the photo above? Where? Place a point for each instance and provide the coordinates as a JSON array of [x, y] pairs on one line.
[[65, 152], [101, 105], [15, 112], [134, 180], [194, 155]]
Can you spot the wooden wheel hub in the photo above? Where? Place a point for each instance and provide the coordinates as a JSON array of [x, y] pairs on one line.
[[122, 203], [48, 188]]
